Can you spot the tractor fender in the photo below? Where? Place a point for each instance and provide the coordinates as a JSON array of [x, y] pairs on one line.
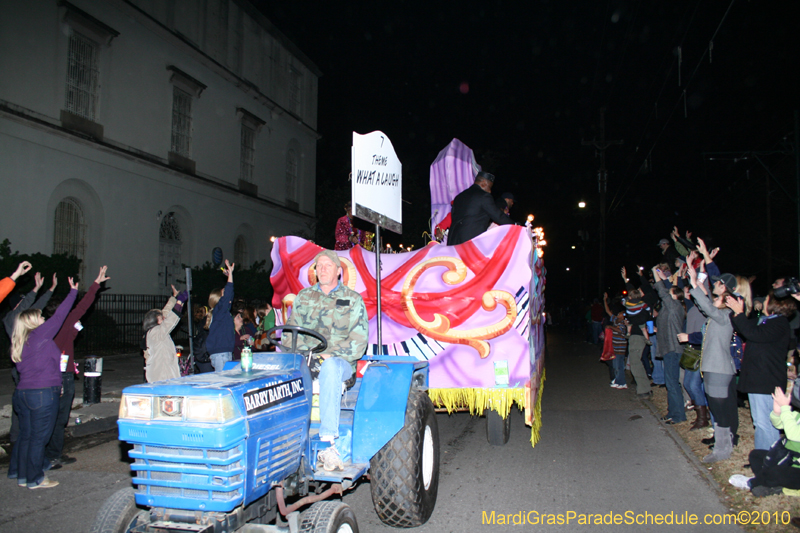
[[381, 407]]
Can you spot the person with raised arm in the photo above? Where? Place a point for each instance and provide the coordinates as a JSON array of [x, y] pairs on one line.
[[65, 340], [36, 398], [717, 367], [221, 338], [160, 353], [7, 284]]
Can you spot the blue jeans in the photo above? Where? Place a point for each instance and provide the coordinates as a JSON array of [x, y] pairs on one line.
[[333, 372], [672, 378], [597, 329], [693, 383], [218, 360], [55, 447], [658, 365], [766, 433], [619, 369], [37, 410]]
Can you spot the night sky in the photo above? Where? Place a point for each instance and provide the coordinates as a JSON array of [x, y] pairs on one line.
[[522, 84]]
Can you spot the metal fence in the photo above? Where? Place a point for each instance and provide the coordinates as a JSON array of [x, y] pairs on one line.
[[114, 324]]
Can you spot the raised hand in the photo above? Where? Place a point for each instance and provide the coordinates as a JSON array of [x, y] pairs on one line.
[[714, 252], [624, 273], [22, 268], [55, 283], [38, 282], [228, 270], [692, 274], [174, 291], [72, 284], [734, 304], [701, 245], [101, 277], [780, 397]]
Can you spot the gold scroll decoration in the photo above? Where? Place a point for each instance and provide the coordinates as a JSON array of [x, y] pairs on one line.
[[439, 327]]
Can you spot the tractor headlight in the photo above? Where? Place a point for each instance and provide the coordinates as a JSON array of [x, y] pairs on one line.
[[202, 409], [136, 407], [177, 408]]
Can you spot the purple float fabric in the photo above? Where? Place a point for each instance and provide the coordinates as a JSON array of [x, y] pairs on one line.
[[452, 171]]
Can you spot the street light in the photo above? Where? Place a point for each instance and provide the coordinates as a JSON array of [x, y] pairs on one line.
[[581, 204]]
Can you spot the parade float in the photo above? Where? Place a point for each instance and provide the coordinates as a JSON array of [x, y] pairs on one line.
[[474, 311]]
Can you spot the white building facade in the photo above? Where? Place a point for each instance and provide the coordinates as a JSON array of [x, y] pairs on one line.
[[142, 134]]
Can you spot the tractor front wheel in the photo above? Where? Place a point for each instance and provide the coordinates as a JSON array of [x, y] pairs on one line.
[[404, 474], [328, 517], [119, 514]]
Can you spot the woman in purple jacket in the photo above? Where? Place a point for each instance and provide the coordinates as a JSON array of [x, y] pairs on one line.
[[39, 388]]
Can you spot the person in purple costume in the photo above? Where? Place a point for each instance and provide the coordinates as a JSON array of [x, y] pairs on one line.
[[36, 398]]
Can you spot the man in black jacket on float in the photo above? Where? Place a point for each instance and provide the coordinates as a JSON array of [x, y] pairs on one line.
[[474, 209]]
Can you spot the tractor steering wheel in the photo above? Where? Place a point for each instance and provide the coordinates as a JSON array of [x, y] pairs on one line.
[[321, 347]]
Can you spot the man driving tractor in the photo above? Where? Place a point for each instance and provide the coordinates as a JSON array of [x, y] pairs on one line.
[[339, 314]]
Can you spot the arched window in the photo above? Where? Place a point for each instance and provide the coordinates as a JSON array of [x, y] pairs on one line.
[[291, 176], [240, 256], [169, 252], [69, 236]]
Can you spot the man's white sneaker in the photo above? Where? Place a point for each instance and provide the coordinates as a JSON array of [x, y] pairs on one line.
[[329, 459], [740, 481]]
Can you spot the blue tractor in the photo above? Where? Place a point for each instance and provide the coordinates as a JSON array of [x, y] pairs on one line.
[[237, 450]]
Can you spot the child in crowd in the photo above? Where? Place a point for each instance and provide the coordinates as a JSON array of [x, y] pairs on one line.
[[619, 332], [779, 466]]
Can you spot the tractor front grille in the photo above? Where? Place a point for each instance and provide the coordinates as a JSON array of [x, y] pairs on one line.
[[278, 454], [189, 473]]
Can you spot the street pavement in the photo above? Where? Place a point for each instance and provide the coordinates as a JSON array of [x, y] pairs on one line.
[[602, 452]]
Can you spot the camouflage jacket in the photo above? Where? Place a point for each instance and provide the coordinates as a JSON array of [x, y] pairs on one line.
[[339, 316]]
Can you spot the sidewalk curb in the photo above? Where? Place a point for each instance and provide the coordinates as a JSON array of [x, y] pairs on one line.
[[687, 452], [94, 426]]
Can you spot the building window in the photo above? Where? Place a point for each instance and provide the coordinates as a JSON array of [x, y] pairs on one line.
[[169, 252], [181, 122], [82, 76], [291, 176], [247, 154], [240, 257], [295, 84], [69, 236]]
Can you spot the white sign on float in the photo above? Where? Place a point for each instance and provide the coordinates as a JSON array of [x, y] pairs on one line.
[[377, 181]]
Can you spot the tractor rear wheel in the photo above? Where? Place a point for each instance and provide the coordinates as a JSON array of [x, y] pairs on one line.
[[328, 517], [404, 474], [119, 514]]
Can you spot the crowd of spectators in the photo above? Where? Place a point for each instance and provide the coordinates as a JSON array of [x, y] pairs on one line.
[[686, 304], [42, 333]]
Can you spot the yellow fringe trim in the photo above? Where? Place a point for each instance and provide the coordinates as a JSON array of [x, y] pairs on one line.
[[537, 412], [477, 400]]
